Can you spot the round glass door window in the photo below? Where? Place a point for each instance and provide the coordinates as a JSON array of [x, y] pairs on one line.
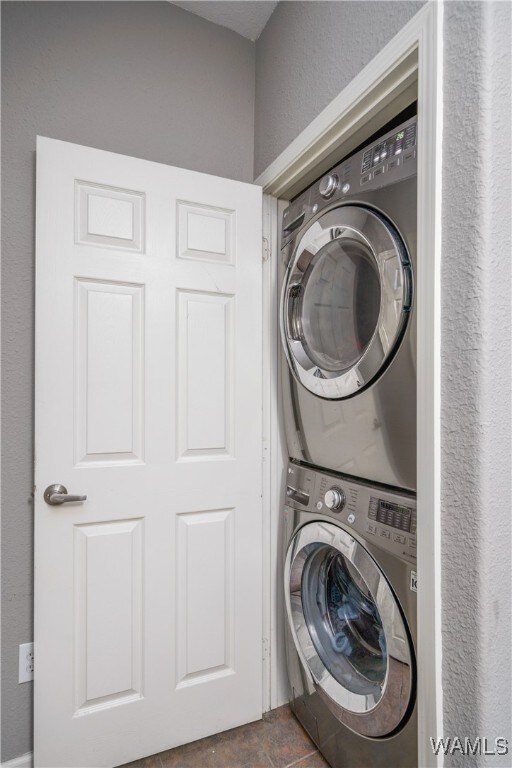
[[344, 623], [348, 629], [340, 304], [345, 301]]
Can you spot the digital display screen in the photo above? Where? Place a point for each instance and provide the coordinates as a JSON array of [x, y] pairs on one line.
[[388, 513], [386, 149]]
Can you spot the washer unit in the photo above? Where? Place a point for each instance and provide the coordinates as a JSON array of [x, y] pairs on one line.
[[348, 322], [350, 595]]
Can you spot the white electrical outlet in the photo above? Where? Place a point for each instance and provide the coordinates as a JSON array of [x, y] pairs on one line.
[[26, 664]]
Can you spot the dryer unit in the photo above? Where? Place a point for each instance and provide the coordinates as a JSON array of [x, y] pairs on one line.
[[350, 596], [348, 317]]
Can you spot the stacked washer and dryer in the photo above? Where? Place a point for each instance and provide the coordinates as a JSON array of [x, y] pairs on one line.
[[349, 396]]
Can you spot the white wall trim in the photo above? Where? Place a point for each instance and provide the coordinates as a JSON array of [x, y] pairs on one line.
[[269, 422], [430, 126], [413, 58], [23, 761], [275, 684]]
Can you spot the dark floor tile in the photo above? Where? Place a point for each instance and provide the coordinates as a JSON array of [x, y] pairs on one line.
[[281, 714], [311, 761], [237, 748], [282, 737], [285, 741], [260, 760], [276, 741]]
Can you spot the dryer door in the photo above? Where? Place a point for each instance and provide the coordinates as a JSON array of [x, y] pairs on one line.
[[348, 629], [345, 301]]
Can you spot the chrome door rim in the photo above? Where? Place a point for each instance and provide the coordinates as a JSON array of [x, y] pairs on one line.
[[361, 713], [380, 238]]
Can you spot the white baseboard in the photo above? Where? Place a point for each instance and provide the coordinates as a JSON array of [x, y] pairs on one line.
[[23, 761]]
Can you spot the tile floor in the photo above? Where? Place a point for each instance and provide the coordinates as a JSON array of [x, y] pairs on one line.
[[277, 741]]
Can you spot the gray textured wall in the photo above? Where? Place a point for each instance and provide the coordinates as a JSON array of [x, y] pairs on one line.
[[476, 385], [307, 54], [143, 79]]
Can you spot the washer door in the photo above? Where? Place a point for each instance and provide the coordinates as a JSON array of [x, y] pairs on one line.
[[348, 629], [345, 301]]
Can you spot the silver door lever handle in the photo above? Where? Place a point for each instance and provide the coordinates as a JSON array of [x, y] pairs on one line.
[[58, 494]]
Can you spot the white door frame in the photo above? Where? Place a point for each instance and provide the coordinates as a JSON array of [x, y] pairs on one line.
[[410, 64]]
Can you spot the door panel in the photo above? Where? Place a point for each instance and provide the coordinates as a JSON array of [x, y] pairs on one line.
[[109, 366], [205, 590], [109, 217], [206, 234], [205, 398], [148, 400], [108, 610]]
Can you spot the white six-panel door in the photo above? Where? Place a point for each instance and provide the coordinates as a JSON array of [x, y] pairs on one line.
[[148, 400]]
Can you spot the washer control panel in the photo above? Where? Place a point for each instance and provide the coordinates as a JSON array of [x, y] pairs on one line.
[[383, 517]]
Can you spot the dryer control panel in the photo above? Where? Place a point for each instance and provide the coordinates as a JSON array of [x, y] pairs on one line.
[[381, 516], [390, 152], [386, 161]]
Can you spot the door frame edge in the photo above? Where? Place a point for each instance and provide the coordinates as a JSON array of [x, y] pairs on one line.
[[414, 56], [273, 458]]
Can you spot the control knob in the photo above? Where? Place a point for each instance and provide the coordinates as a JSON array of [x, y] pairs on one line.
[[328, 185], [335, 499]]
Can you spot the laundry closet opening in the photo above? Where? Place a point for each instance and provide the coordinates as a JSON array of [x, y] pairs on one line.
[[354, 398], [348, 371]]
